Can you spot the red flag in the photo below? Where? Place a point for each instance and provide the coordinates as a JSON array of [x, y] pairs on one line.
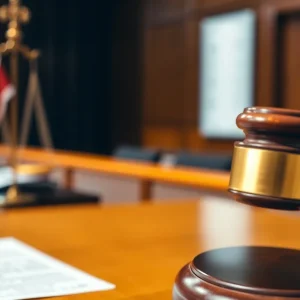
[[7, 91]]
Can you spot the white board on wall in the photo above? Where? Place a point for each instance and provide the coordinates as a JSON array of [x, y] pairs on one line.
[[227, 66]]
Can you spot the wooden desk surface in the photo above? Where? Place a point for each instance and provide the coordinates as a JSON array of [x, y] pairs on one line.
[[215, 180], [141, 247]]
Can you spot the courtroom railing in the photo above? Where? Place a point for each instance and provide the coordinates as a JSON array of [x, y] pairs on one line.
[[146, 173]]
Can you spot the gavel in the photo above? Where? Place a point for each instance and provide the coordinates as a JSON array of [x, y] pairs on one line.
[[265, 172]]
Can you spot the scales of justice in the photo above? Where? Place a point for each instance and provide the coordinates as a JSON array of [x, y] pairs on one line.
[[15, 15]]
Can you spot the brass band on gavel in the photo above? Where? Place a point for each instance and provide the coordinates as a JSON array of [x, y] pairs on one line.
[[266, 165]]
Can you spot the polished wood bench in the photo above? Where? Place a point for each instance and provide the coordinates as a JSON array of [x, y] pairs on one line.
[[146, 173]]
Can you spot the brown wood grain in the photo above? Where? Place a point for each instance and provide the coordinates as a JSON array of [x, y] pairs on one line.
[[164, 75], [266, 56], [217, 4], [191, 80], [159, 12], [141, 248], [196, 141], [277, 53], [168, 137]]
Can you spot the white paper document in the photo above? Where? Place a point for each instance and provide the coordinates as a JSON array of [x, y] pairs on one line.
[[27, 273]]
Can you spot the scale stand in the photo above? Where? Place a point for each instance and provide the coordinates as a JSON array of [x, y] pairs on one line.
[[33, 101], [14, 14]]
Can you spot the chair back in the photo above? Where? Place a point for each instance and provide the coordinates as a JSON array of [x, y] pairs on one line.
[[205, 160], [136, 153]]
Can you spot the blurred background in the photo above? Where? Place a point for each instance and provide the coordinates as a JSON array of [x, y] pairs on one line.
[[168, 75], [127, 71]]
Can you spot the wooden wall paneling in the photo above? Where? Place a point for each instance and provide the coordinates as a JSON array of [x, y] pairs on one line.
[[195, 142], [191, 81], [163, 83], [164, 74], [289, 60], [159, 12], [164, 71], [277, 53], [267, 53], [213, 5], [164, 137], [283, 7]]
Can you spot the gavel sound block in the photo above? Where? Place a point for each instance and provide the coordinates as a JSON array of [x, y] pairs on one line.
[[266, 173]]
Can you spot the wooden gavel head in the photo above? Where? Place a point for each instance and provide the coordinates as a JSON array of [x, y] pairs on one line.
[[265, 168]]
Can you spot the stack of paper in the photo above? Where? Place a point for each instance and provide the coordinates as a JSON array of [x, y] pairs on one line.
[[27, 273]]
